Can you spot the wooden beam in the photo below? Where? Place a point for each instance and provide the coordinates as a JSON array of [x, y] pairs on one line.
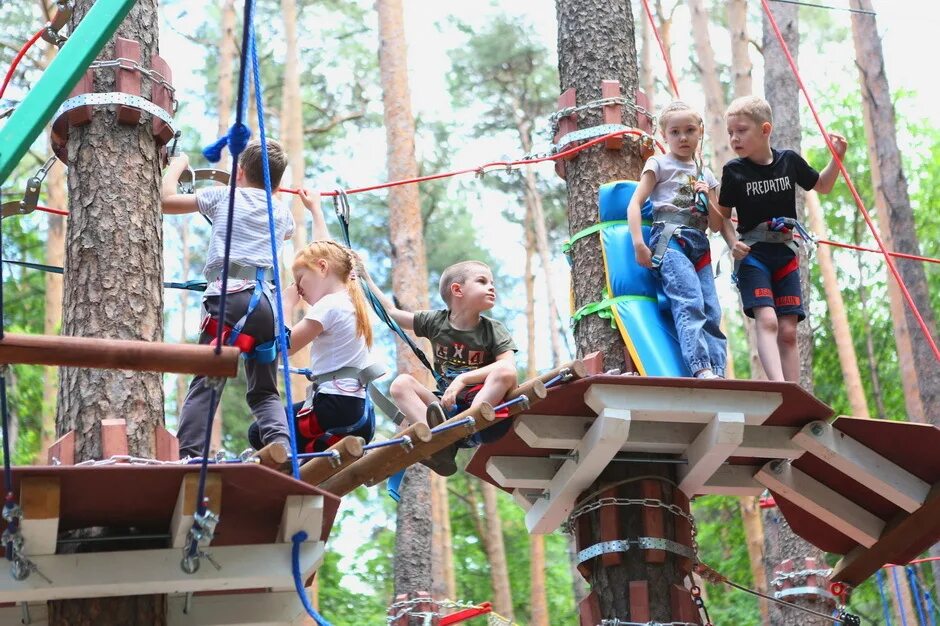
[[185, 510], [142, 572], [113, 438], [675, 404], [822, 502], [720, 437], [315, 471], [904, 537], [301, 513], [599, 445], [522, 472], [268, 608], [863, 465], [733, 480], [559, 432], [118, 354], [63, 450], [576, 369], [40, 500], [534, 390], [769, 442], [525, 497]]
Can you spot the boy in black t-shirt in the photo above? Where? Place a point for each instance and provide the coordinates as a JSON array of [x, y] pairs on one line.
[[761, 185], [473, 354]]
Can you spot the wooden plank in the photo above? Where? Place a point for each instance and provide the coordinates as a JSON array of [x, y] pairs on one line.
[[236, 609], [613, 113], [822, 502], [185, 508], [653, 521], [639, 601], [315, 471], [522, 472], [733, 480], [863, 465], [904, 537], [301, 513], [127, 79], [142, 572], [577, 369], [683, 608], [682, 404], [608, 518], [597, 448], [567, 124], [769, 442], [683, 529], [118, 354], [39, 500], [113, 438], [720, 437], [559, 432], [590, 610], [63, 449], [168, 447]]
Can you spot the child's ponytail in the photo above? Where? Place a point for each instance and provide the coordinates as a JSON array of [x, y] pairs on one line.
[[363, 325]]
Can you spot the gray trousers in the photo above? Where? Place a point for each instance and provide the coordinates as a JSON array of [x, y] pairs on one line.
[[263, 396]]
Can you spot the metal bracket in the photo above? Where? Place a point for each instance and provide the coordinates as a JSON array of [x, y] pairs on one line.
[[641, 543], [115, 97], [805, 591]]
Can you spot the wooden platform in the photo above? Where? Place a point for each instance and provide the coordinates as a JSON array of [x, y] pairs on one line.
[[260, 510], [865, 488]]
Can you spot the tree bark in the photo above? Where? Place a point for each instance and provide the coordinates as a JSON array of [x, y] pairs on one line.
[[647, 81], [113, 288], [538, 599], [754, 534], [841, 332], [226, 62], [496, 552], [890, 186], [443, 579], [596, 42], [781, 89], [409, 280], [741, 65]]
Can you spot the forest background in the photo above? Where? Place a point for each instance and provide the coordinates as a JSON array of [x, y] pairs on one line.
[[484, 80]]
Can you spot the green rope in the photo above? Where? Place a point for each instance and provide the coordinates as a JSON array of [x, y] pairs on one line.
[[603, 308], [594, 228]]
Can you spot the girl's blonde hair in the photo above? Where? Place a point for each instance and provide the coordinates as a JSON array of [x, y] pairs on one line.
[[341, 262], [677, 106]]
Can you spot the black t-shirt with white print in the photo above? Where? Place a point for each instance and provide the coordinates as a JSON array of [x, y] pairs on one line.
[[763, 192]]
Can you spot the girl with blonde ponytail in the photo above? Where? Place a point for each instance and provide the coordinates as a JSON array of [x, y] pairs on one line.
[[336, 325]]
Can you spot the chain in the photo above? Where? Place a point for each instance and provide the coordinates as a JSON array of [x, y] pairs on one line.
[[409, 606], [647, 502], [555, 117], [616, 622], [782, 578], [130, 64]]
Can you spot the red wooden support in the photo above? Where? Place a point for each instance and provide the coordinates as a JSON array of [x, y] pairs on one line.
[[609, 517], [682, 605], [683, 529], [465, 614], [594, 363], [643, 122], [127, 79], [590, 610], [584, 539], [79, 116], [113, 438], [63, 449], [639, 601], [813, 580], [167, 446], [653, 523], [161, 97], [613, 113], [785, 567], [566, 125]]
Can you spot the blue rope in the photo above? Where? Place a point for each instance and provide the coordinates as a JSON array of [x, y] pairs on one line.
[[298, 539], [897, 591], [931, 608], [191, 285], [885, 608], [915, 590], [442, 427], [235, 148], [384, 444], [281, 329]]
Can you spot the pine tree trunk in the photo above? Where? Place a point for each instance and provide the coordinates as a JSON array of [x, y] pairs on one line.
[[538, 599], [714, 96], [741, 65], [647, 81], [890, 187], [781, 89], [595, 43], [754, 534], [113, 288], [409, 281], [496, 552], [226, 62], [443, 579], [841, 332], [528, 280]]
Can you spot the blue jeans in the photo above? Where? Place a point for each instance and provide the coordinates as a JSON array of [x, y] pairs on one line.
[[693, 299]]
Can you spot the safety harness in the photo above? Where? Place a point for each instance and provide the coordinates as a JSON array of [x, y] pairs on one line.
[[308, 423], [775, 230], [233, 335], [672, 222]]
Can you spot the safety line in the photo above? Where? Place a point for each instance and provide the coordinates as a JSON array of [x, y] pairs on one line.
[[662, 48], [18, 57], [848, 180]]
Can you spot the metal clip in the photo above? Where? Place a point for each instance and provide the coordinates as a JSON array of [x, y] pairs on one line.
[[471, 424], [407, 444], [566, 375], [335, 460]]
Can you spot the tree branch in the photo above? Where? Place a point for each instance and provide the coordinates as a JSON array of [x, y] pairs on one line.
[[336, 120]]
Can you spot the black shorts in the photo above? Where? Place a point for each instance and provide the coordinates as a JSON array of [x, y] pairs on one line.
[[329, 411], [770, 276]]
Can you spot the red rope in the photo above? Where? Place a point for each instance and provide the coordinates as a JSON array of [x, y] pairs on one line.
[[46, 209], [848, 181], [662, 48], [18, 57], [914, 562], [900, 255]]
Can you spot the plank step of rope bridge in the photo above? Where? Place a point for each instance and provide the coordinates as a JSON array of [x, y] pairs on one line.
[[868, 489]]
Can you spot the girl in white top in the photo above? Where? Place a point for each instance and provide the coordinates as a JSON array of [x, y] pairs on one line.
[[338, 329]]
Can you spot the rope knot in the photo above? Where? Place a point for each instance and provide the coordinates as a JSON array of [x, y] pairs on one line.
[[236, 139]]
